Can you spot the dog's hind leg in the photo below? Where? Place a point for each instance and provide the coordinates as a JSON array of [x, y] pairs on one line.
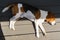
[[13, 20], [11, 25]]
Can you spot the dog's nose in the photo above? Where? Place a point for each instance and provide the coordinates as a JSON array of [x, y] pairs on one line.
[[53, 24]]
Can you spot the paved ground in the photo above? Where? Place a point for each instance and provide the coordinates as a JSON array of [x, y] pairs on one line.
[[25, 31]]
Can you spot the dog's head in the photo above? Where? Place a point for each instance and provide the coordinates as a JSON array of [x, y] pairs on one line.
[[51, 18]]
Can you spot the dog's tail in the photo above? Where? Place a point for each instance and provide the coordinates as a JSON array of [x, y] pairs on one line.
[[6, 8]]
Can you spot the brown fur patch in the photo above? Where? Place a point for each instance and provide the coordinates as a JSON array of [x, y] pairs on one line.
[[22, 9], [15, 9], [37, 14]]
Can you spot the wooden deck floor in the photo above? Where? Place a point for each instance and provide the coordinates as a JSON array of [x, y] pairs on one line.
[[25, 31]]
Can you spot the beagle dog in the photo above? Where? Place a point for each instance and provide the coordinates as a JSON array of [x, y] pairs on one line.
[[36, 15]]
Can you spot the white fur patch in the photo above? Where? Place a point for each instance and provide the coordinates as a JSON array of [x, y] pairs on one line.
[[19, 6], [43, 14], [28, 15]]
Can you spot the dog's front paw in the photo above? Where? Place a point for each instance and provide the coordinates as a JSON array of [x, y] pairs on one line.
[[37, 35], [44, 33], [13, 29]]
